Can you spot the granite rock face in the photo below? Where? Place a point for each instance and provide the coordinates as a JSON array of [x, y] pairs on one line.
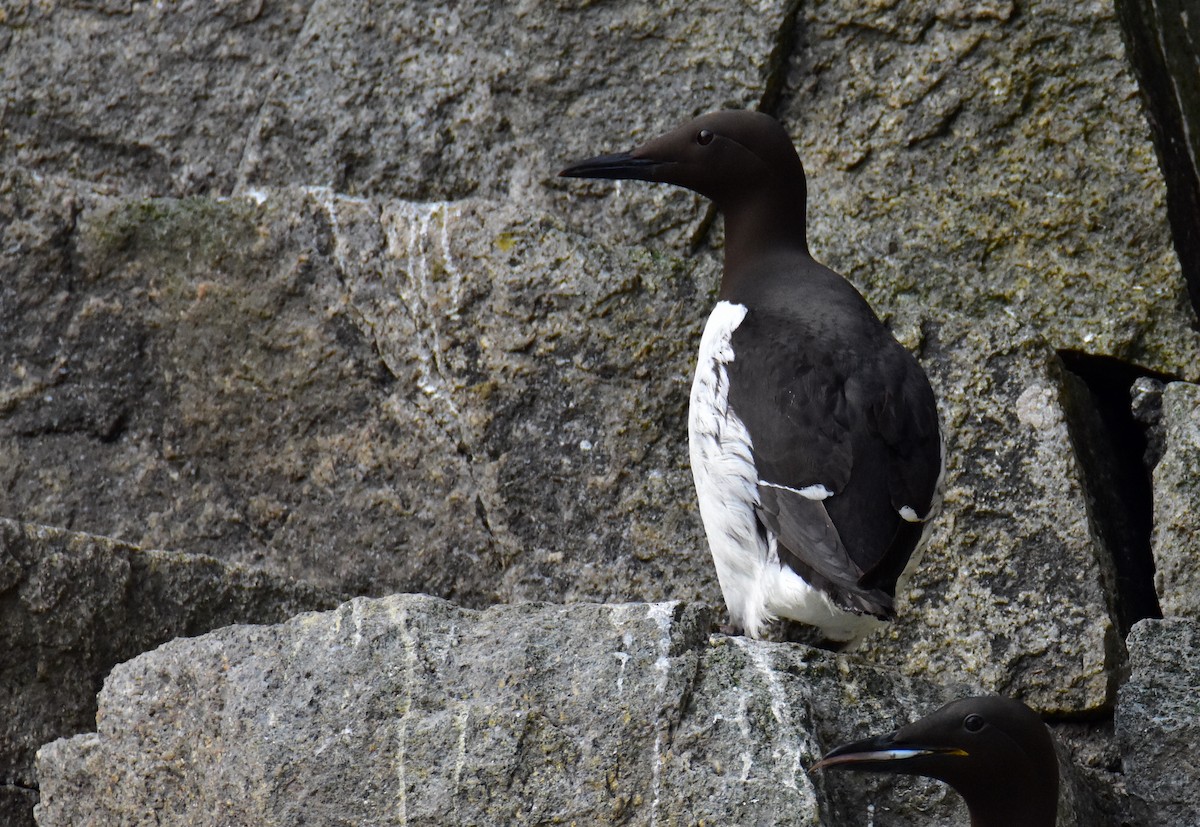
[[461, 398], [410, 710], [427, 102], [74, 605], [139, 98], [1161, 38], [547, 377], [1176, 536], [294, 284], [169, 377], [957, 160], [1158, 725], [477, 403]]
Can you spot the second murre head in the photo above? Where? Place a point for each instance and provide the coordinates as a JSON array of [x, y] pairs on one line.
[[729, 156], [994, 751]]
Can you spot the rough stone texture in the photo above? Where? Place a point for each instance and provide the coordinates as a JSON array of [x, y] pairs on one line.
[[990, 158], [1089, 747], [168, 371], [458, 399], [466, 399], [423, 101], [73, 605], [549, 377], [1145, 403], [1163, 40], [1011, 595], [142, 98], [16, 805], [1158, 723], [1176, 538], [405, 710]]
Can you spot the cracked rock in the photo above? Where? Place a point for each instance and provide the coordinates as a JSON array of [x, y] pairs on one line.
[[408, 710], [464, 399], [1176, 537], [956, 161], [74, 605], [1012, 594], [469, 400], [436, 101]]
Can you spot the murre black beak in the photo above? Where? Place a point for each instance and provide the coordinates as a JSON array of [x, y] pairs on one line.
[[622, 165], [880, 754]]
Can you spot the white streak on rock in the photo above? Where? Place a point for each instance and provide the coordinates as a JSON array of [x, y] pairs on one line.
[[623, 658], [460, 759], [780, 706], [410, 679], [660, 613]]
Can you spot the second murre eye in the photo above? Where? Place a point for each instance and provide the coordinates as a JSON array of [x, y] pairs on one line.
[[704, 137]]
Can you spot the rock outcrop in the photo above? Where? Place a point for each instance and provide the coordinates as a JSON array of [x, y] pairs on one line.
[[1176, 538], [1161, 36], [957, 160], [1158, 724], [476, 401], [408, 710]]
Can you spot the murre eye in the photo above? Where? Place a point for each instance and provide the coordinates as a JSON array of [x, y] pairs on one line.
[[704, 137], [973, 722]]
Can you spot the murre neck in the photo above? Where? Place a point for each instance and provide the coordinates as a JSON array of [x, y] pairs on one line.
[[760, 224]]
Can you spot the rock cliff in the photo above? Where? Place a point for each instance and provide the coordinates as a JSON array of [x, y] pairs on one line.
[[291, 289]]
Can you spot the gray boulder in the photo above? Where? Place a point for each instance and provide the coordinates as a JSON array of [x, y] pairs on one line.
[[171, 363], [1176, 538], [462, 398], [410, 359], [426, 102], [1157, 723], [139, 98], [1161, 38], [410, 710], [74, 605]]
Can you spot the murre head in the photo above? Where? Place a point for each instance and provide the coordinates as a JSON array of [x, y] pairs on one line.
[[995, 752], [728, 156]]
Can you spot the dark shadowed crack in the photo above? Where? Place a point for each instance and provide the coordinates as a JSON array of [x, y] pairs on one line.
[[1111, 446], [775, 72]]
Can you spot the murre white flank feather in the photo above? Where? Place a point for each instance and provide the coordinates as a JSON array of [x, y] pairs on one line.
[[757, 588]]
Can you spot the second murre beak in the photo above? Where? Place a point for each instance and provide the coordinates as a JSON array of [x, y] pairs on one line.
[[622, 165], [881, 754]]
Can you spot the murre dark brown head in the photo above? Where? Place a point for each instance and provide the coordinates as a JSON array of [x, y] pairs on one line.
[[743, 160], [995, 752]]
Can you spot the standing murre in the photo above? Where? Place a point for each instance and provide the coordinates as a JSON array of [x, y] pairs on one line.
[[995, 752], [813, 434]]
